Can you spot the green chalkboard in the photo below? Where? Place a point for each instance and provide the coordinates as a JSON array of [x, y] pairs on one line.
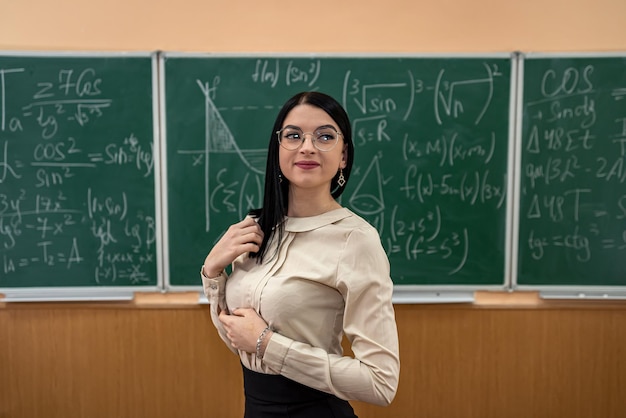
[[572, 210], [77, 172], [431, 154]]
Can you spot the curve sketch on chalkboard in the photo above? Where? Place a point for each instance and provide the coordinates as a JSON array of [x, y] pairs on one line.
[[220, 139]]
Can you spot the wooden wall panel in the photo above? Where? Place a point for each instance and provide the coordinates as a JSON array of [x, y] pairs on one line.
[[102, 361], [82, 362]]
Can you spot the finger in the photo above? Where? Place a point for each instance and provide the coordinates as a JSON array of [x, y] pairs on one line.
[[247, 223], [224, 318], [252, 230], [251, 235], [251, 239], [248, 220], [246, 312], [240, 311]]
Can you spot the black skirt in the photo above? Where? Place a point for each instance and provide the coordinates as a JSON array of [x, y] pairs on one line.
[[274, 396]]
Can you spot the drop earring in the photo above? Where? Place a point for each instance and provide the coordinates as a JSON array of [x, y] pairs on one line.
[[341, 180], [280, 177]]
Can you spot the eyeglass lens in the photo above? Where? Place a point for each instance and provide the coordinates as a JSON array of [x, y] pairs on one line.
[[323, 139]]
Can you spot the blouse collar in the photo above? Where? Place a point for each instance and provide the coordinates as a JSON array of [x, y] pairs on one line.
[[310, 223]]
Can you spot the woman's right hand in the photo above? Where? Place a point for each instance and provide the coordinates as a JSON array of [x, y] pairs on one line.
[[243, 237]]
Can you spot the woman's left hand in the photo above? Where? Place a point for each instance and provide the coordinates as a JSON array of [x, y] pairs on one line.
[[243, 327]]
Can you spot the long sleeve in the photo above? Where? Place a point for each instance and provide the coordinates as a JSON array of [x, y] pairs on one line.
[[368, 322], [214, 289]]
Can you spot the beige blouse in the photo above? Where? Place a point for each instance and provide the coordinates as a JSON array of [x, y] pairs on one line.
[[330, 277]]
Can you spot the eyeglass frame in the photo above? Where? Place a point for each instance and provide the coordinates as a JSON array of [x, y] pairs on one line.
[[313, 140]]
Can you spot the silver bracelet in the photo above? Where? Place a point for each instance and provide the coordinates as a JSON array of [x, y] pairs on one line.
[[259, 341]]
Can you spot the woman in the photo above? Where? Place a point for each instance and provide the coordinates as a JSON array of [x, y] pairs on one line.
[[305, 272]]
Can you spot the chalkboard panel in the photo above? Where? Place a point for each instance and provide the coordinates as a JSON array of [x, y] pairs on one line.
[[431, 155], [572, 211], [77, 172]]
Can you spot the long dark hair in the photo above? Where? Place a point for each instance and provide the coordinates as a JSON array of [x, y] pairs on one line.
[[276, 195]]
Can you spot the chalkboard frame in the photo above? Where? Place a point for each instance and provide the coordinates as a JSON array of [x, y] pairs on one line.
[[402, 293], [102, 293], [547, 290]]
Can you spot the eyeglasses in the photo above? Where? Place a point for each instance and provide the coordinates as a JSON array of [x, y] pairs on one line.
[[324, 139]]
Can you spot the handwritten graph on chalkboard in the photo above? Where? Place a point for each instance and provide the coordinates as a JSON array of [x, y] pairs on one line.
[[219, 139], [572, 215], [77, 172], [431, 142]]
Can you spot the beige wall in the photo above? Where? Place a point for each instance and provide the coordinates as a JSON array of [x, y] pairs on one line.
[[320, 26]]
